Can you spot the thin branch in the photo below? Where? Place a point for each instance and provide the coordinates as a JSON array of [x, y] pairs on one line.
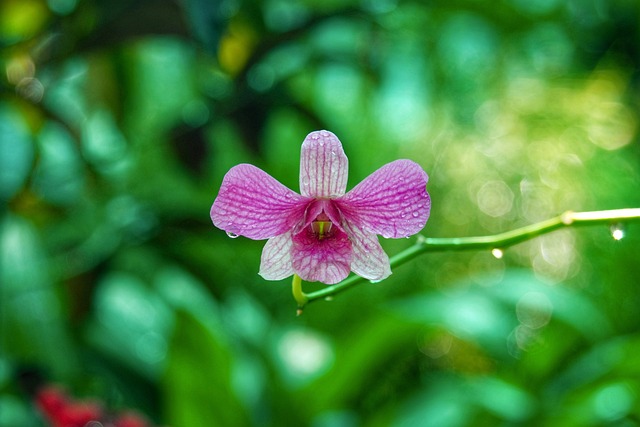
[[496, 241]]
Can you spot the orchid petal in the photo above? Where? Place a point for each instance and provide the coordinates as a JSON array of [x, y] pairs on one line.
[[253, 204], [327, 260], [275, 263], [369, 260], [323, 166], [393, 201]]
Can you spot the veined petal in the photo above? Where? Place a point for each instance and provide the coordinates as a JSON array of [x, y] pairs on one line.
[[323, 166], [393, 201], [327, 260], [369, 260], [275, 263], [253, 204]]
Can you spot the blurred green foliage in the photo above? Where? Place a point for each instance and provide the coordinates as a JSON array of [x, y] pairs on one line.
[[119, 119]]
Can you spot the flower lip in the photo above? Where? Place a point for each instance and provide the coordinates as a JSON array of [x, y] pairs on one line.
[[322, 226], [321, 218], [326, 260], [317, 207]]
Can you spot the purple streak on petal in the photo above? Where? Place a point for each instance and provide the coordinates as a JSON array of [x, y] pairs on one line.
[[327, 260], [253, 204], [275, 263], [393, 201], [323, 166], [369, 259]]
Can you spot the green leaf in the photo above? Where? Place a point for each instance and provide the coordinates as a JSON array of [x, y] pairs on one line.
[[16, 152], [198, 382], [206, 19], [131, 324], [366, 351], [31, 314]]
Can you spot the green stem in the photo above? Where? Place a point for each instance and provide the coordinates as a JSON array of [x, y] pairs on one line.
[[496, 241], [300, 297]]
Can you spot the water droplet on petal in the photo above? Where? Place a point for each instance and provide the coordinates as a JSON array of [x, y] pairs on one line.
[[232, 235], [415, 214], [497, 252], [617, 231]]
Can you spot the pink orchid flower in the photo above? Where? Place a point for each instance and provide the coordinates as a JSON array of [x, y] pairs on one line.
[[322, 234]]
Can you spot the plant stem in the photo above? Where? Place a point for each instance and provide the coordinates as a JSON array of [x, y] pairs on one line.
[[300, 297], [496, 241]]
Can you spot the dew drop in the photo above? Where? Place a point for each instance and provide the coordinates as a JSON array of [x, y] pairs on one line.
[[232, 235], [617, 231], [497, 253], [415, 214], [329, 298]]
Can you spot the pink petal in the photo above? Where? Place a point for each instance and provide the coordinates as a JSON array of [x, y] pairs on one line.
[[275, 263], [369, 259], [253, 204], [323, 166], [327, 260], [393, 201]]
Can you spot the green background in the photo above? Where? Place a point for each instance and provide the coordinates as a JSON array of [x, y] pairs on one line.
[[119, 119]]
